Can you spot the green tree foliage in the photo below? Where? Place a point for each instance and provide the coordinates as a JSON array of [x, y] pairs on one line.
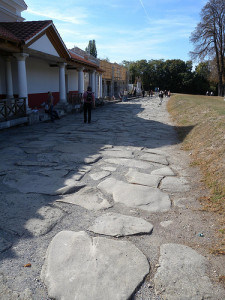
[[175, 75], [91, 48]]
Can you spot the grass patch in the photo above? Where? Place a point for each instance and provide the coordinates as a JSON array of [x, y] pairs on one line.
[[206, 142]]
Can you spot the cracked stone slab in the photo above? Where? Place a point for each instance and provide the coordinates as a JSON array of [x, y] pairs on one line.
[[137, 196], [29, 183], [27, 213], [131, 163], [98, 268], [154, 158], [183, 275], [174, 184], [136, 177], [166, 171], [87, 197], [99, 175], [120, 225]]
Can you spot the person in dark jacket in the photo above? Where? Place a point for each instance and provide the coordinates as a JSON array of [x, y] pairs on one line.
[[89, 102]]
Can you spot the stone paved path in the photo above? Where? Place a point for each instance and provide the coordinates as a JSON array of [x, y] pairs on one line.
[[103, 211]]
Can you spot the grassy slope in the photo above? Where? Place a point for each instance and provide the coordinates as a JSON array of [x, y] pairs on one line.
[[206, 142]]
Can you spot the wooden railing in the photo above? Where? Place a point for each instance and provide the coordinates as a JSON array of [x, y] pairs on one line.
[[12, 109]]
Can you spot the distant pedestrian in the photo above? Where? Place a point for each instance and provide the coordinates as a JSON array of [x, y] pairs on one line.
[[49, 107], [89, 102], [160, 97], [207, 93], [125, 94], [143, 93]]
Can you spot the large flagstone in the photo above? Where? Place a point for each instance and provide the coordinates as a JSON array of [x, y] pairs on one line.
[[130, 163], [80, 267], [118, 153], [182, 274], [137, 196], [166, 171], [99, 175], [120, 225], [174, 184], [136, 177], [32, 183], [87, 197]]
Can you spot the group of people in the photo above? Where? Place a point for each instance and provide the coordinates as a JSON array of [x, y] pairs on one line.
[[209, 93]]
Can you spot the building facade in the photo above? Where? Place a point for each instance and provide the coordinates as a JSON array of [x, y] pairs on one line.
[[35, 60], [114, 79]]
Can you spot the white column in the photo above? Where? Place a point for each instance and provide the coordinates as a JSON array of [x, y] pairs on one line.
[[96, 85], [93, 82], [100, 85], [22, 75], [62, 83], [81, 80], [9, 84]]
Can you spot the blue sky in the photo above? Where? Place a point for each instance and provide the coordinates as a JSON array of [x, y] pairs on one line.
[[123, 29]]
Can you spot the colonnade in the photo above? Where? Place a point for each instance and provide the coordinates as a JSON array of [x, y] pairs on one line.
[[95, 79]]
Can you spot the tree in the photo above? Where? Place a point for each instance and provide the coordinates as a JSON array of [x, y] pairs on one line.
[[209, 38], [91, 48]]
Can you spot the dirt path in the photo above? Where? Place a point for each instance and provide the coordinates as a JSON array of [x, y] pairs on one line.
[[114, 202]]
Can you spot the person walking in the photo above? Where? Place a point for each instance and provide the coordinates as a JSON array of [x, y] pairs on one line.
[[89, 102], [125, 94]]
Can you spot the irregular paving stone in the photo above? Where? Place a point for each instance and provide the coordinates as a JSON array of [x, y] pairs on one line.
[[99, 175], [134, 176], [174, 184], [82, 148], [132, 163], [92, 159], [48, 157], [163, 172], [26, 183], [142, 197], [120, 225], [4, 245], [89, 198], [46, 218], [80, 267], [155, 158], [118, 153], [27, 213], [182, 275]]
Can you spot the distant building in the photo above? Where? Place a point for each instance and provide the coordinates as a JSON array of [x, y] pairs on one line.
[[114, 79]]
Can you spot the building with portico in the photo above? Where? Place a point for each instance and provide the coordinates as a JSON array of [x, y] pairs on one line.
[[35, 60]]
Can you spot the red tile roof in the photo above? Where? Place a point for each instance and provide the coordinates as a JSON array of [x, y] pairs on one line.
[[21, 31], [81, 59]]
